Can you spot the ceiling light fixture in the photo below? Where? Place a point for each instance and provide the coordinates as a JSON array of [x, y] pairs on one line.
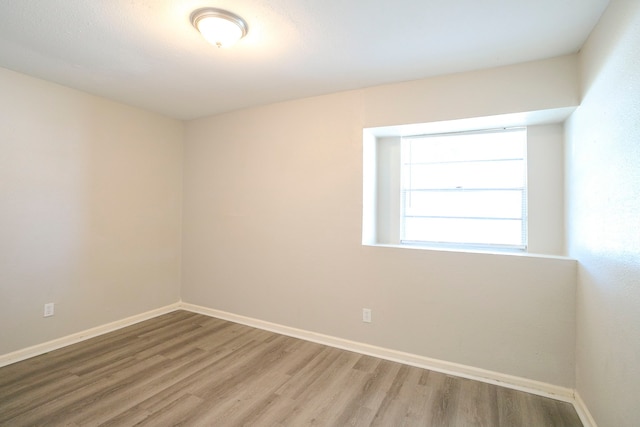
[[219, 27]]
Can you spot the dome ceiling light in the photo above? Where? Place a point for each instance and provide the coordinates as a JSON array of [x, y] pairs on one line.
[[219, 27]]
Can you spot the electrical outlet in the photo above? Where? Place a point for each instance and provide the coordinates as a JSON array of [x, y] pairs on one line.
[[48, 309], [366, 315]]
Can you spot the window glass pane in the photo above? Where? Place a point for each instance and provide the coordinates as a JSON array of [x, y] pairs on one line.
[[467, 188], [483, 204], [500, 174], [470, 231], [465, 146]]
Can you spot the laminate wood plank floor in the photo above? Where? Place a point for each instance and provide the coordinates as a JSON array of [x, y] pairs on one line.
[[189, 369]]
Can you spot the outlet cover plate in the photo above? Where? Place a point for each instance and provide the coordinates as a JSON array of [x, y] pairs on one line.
[[48, 309], [366, 315]]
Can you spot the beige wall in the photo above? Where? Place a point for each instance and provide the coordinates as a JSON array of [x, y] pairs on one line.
[[545, 189], [531, 86], [273, 219], [272, 222], [603, 155], [90, 201]]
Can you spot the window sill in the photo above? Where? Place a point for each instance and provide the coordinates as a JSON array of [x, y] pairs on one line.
[[516, 253]]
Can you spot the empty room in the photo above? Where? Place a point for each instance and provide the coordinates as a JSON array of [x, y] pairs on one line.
[[297, 212]]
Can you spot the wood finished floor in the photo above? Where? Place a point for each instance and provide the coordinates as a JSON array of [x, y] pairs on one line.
[[188, 369]]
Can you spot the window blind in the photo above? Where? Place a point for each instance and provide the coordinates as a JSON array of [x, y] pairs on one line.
[[465, 189]]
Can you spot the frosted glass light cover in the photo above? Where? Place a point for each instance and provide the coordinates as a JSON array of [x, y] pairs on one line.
[[219, 31]]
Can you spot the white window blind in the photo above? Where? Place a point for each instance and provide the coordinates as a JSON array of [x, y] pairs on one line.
[[465, 189]]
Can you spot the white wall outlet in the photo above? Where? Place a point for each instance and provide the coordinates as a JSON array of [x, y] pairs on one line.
[[366, 315], [48, 309]]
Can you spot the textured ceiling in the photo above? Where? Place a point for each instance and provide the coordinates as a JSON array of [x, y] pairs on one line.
[[146, 53]]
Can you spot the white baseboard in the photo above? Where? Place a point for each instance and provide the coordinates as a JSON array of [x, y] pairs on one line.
[[583, 411], [36, 350], [455, 369], [459, 370]]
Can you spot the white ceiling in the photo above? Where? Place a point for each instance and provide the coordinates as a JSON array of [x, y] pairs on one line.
[[146, 53]]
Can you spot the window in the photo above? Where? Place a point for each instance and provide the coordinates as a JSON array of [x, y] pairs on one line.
[[518, 211], [465, 189]]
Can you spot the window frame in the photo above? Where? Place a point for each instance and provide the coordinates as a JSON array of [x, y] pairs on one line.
[[406, 191]]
